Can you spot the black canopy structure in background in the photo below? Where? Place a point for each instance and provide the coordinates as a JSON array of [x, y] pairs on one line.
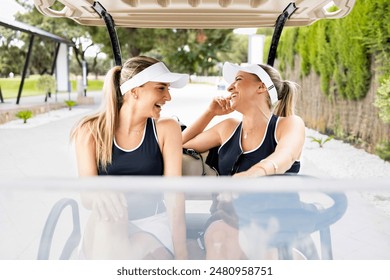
[[33, 32]]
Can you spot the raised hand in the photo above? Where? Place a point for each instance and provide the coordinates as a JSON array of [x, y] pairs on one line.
[[220, 106]]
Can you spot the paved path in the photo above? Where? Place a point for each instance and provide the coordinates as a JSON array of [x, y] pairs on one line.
[[44, 151]]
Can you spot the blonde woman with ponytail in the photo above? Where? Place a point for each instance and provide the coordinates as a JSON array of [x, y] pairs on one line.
[[127, 137], [267, 141]]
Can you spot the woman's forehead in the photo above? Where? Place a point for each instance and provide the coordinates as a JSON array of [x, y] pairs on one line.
[[248, 75], [156, 83]]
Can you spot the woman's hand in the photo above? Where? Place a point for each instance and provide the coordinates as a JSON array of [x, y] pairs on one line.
[[242, 174], [109, 206], [254, 171], [220, 106]]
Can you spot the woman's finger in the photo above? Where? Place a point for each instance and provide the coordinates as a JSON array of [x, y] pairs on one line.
[[100, 209], [117, 207]]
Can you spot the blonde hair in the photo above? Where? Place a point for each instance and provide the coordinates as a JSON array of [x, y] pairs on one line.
[[287, 93], [101, 125]]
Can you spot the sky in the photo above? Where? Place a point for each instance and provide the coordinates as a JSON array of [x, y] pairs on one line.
[[12, 8]]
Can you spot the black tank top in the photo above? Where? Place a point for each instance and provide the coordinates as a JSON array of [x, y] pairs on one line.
[[146, 159], [232, 159]]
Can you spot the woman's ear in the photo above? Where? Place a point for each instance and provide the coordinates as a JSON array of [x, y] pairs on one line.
[[134, 93], [262, 88]]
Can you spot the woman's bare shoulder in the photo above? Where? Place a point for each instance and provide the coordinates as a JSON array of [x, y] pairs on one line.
[[168, 124], [83, 134], [229, 123], [291, 124], [226, 127], [291, 120], [167, 121]]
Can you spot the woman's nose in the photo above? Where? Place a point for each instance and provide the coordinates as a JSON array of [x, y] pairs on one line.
[[168, 96], [231, 87]]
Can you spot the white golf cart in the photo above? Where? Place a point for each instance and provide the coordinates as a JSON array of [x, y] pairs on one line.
[[297, 220]]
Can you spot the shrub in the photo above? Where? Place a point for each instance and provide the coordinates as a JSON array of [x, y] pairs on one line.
[[24, 115], [46, 83], [382, 100], [383, 150], [321, 141], [70, 104]]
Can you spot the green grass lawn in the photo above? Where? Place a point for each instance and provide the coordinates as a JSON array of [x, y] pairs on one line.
[[10, 86]]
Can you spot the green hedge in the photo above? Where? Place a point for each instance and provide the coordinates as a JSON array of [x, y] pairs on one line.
[[341, 51], [382, 100]]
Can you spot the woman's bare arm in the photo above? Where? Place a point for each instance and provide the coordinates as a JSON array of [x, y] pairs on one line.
[[85, 153], [171, 147], [195, 136], [290, 134], [108, 205]]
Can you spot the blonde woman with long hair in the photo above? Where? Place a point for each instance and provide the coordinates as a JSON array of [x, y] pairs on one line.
[[127, 137], [267, 140]]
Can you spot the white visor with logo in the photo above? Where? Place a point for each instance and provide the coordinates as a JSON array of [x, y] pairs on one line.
[[157, 72]]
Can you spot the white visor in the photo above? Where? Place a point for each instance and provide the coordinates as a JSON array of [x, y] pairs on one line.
[[230, 71], [157, 72]]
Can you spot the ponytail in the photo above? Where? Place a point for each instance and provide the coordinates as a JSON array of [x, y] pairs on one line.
[[287, 92], [287, 98], [101, 125]]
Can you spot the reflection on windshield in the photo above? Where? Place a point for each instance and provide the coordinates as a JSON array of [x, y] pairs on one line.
[[219, 225]]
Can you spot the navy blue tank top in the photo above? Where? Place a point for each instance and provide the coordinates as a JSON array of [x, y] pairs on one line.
[[232, 159], [146, 159]]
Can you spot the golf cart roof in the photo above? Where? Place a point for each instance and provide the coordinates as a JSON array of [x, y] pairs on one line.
[[195, 13]]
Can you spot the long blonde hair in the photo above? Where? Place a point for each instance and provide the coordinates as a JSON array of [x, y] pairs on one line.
[[101, 125], [287, 93]]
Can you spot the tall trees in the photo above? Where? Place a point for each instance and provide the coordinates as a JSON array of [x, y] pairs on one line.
[[44, 50], [193, 51], [10, 58], [185, 50]]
